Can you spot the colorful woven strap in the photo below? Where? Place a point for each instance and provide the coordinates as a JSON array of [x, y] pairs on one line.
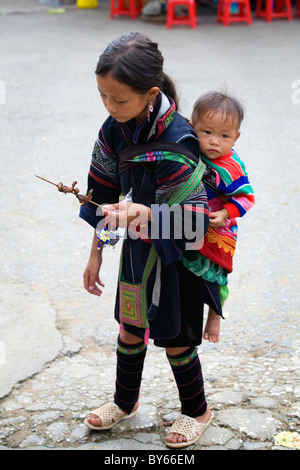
[[190, 185]]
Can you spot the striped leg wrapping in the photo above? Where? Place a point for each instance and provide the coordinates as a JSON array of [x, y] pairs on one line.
[[130, 363], [188, 376]]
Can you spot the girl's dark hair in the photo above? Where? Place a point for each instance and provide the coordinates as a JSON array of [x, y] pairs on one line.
[[136, 61], [215, 101]]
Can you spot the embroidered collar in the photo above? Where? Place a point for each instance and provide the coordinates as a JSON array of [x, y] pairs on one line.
[[161, 117]]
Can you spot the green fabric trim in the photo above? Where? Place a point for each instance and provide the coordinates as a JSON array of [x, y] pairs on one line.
[[129, 351], [224, 293], [189, 186], [182, 360], [207, 269]]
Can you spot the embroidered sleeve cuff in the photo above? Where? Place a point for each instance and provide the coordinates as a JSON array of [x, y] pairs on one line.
[[232, 210], [89, 214]]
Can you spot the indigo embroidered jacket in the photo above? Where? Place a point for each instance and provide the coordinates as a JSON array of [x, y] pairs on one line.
[[153, 177]]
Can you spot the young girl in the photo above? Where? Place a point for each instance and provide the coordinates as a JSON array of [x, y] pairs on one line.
[[147, 147], [217, 118]]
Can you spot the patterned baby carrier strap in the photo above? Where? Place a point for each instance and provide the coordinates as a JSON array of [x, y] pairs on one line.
[[153, 152], [133, 306]]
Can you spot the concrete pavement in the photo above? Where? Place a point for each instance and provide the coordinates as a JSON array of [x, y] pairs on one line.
[[57, 343]]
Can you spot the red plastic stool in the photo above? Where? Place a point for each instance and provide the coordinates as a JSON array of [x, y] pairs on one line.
[[130, 8], [298, 9], [226, 16], [190, 18], [274, 9]]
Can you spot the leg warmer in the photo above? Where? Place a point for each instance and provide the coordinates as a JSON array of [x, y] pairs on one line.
[[130, 363], [188, 376]]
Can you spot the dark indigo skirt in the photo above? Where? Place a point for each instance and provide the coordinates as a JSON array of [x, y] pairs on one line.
[[193, 293]]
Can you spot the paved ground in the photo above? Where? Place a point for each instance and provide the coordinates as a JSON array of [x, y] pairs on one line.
[[57, 343]]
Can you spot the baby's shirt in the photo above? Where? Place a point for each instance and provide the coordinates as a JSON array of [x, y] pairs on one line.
[[229, 177]]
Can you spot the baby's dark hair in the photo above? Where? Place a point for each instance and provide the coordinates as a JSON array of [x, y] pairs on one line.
[[213, 102], [136, 61]]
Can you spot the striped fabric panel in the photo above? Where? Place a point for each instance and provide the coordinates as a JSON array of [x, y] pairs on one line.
[[237, 186], [232, 180], [104, 165], [229, 167]]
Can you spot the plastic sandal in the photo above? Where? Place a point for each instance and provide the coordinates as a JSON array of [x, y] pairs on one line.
[[110, 414], [188, 427]]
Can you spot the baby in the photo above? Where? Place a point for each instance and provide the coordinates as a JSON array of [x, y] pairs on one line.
[[216, 119]]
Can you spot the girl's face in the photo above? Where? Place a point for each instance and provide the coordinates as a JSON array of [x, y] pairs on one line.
[[122, 102], [217, 136]]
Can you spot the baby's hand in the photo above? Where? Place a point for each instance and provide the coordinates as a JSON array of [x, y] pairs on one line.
[[217, 219]]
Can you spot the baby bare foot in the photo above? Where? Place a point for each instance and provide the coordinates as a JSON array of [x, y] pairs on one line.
[[212, 327]]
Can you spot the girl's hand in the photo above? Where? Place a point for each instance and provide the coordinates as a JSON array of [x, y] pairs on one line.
[[91, 279], [123, 213], [217, 219]]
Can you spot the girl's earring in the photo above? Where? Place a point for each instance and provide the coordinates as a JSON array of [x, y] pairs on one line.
[[150, 110]]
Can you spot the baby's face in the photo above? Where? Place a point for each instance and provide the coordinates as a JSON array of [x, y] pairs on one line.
[[217, 135]]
